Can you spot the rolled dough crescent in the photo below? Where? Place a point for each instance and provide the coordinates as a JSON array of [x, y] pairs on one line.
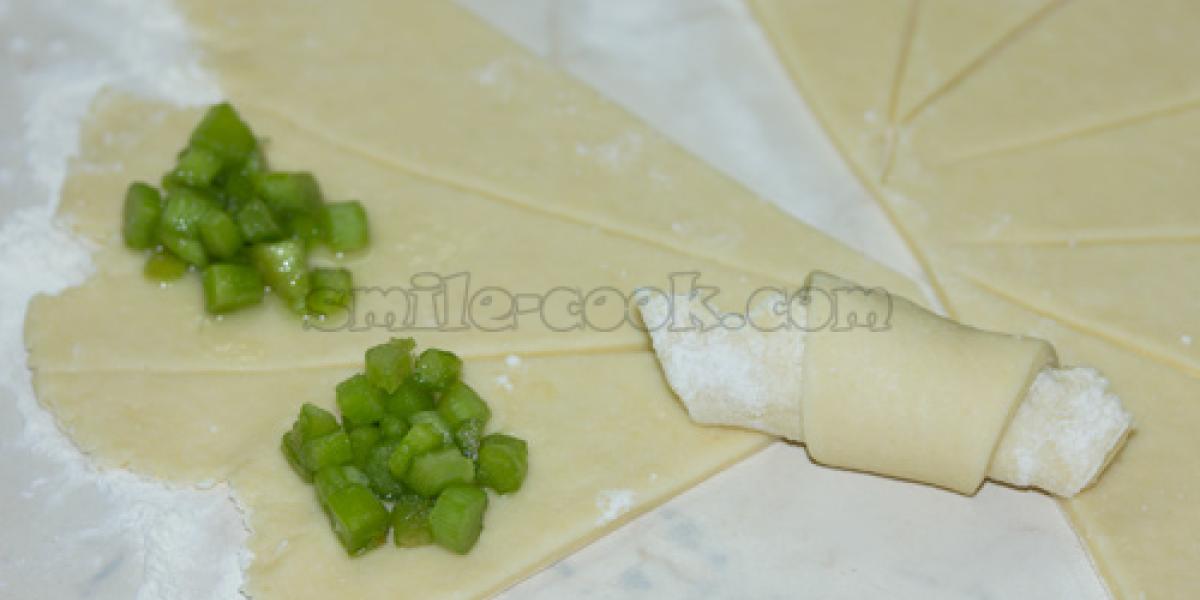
[[904, 393]]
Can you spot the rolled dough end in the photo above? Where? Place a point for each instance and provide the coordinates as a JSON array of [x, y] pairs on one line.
[[740, 377], [1068, 427]]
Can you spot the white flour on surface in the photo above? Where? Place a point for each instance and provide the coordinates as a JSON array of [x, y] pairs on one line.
[[505, 382], [746, 373], [85, 532], [612, 504]]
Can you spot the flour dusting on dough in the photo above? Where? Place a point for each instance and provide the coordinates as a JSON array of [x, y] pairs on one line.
[[745, 376], [612, 504], [504, 382], [1063, 432], [503, 75], [177, 531], [725, 234], [614, 154], [492, 73], [177, 543]]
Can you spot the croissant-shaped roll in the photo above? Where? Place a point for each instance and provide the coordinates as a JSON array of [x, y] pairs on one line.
[[873, 382]]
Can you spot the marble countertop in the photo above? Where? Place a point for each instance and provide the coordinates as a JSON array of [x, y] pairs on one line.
[[772, 526]]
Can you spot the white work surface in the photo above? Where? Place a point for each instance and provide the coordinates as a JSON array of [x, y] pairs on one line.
[[772, 526]]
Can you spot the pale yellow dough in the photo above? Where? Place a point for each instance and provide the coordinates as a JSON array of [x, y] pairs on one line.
[[1050, 185], [914, 396], [470, 155]]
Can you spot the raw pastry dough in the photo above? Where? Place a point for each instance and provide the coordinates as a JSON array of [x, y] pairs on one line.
[[914, 395], [904, 393], [1050, 187], [171, 393], [471, 155]]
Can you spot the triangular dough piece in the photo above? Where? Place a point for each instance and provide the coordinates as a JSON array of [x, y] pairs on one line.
[[1098, 230], [607, 441], [1136, 295], [873, 63], [1111, 60], [1130, 182], [418, 226], [427, 87], [845, 55], [950, 37]]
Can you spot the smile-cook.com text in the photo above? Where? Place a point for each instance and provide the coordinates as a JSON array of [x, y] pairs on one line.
[[432, 301]]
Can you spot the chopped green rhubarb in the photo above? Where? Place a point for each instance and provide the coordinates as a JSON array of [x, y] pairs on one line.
[[333, 279], [326, 451], [314, 422], [197, 167], [164, 266], [389, 363], [408, 399], [400, 461], [228, 287], [383, 483], [362, 440], [459, 402], [393, 427], [410, 522], [334, 478], [237, 192], [288, 446], [430, 465], [185, 208], [422, 438], [187, 247], [359, 519], [256, 162], [467, 437], [223, 204], [223, 133], [332, 291], [143, 205], [457, 518], [256, 222], [220, 234], [432, 420], [289, 194], [503, 462], [304, 226], [284, 267], [345, 226], [437, 369], [361, 402], [430, 473]]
